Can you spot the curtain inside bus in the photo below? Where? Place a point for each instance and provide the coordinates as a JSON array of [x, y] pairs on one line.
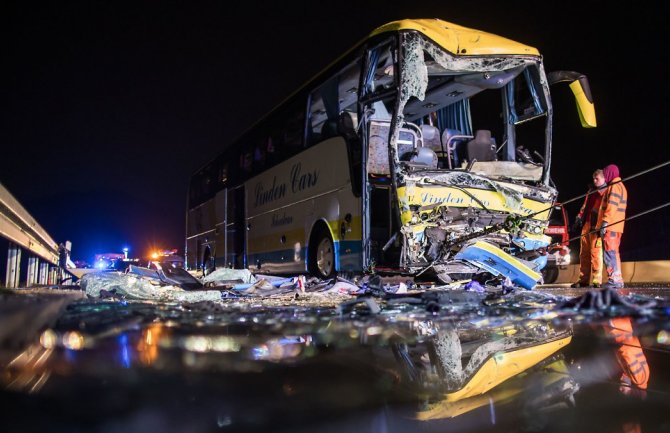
[[456, 116]]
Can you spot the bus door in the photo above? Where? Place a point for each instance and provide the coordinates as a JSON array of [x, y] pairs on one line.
[[201, 241], [235, 230], [384, 241], [377, 96]]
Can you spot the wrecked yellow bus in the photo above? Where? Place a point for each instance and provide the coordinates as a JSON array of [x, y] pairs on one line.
[[425, 148]]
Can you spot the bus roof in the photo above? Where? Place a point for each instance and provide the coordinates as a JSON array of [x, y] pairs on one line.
[[458, 39]]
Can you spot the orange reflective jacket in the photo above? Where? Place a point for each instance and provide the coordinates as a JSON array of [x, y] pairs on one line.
[[591, 208], [613, 206]]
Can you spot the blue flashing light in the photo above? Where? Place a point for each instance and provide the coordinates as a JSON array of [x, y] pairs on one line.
[[124, 352]]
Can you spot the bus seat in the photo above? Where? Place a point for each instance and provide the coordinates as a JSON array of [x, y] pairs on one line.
[[424, 156], [405, 150], [451, 140], [378, 156], [431, 137], [329, 129], [482, 148], [346, 125], [447, 135]]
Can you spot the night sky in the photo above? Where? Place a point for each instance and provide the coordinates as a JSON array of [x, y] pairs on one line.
[[107, 108]]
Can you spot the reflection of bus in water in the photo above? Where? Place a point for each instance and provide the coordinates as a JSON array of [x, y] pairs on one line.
[[416, 140]]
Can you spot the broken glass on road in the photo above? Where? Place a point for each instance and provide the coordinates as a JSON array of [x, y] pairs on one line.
[[416, 360]]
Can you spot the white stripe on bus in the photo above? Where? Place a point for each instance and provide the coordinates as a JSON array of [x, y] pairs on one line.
[[301, 201]]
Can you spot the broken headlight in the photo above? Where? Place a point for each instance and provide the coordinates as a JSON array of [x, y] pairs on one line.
[[534, 227]]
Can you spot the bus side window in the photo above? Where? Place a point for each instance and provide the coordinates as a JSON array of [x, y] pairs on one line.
[[204, 185], [336, 95], [223, 173], [194, 191], [293, 132], [259, 158], [271, 152], [286, 132], [317, 118], [276, 143], [246, 163], [380, 73]]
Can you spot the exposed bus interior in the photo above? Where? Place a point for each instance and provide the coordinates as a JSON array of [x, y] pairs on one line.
[[496, 108], [470, 149]]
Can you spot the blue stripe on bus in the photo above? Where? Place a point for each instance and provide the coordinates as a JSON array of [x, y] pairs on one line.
[[279, 256], [337, 255], [351, 258], [343, 249], [350, 247]]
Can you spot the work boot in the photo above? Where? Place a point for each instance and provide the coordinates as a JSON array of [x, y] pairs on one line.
[[579, 284], [612, 285]]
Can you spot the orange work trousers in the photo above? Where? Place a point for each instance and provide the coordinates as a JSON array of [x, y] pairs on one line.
[[590, 257], [629, 354], [612, 258]]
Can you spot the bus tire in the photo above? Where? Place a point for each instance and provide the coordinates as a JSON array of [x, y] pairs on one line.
[[550, 274], [321, 253], [205, 262]]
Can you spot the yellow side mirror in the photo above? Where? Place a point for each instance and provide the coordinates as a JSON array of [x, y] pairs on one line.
[[579, 84], [585, 107]]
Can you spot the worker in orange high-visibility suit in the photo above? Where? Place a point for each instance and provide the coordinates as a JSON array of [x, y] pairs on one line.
[[635, 372], [612, 210], [631, 358], [590, 243]]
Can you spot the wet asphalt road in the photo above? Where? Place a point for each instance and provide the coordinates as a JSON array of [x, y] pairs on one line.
[[70, 363], [646, 289]]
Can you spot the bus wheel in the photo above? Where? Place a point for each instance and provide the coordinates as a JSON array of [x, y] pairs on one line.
[[205, 262], [322, 254], [550, 274]]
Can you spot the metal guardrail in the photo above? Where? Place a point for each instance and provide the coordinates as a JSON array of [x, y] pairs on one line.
[[650, 271], [25, 234], [18, 226]]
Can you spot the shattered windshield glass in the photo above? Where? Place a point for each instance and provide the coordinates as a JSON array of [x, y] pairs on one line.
[[480, 109]]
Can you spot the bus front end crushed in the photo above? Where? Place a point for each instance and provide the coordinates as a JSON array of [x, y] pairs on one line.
[[461, 223], [465, 143]]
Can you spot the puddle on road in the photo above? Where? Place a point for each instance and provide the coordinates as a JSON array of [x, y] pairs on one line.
[[442, 361]]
